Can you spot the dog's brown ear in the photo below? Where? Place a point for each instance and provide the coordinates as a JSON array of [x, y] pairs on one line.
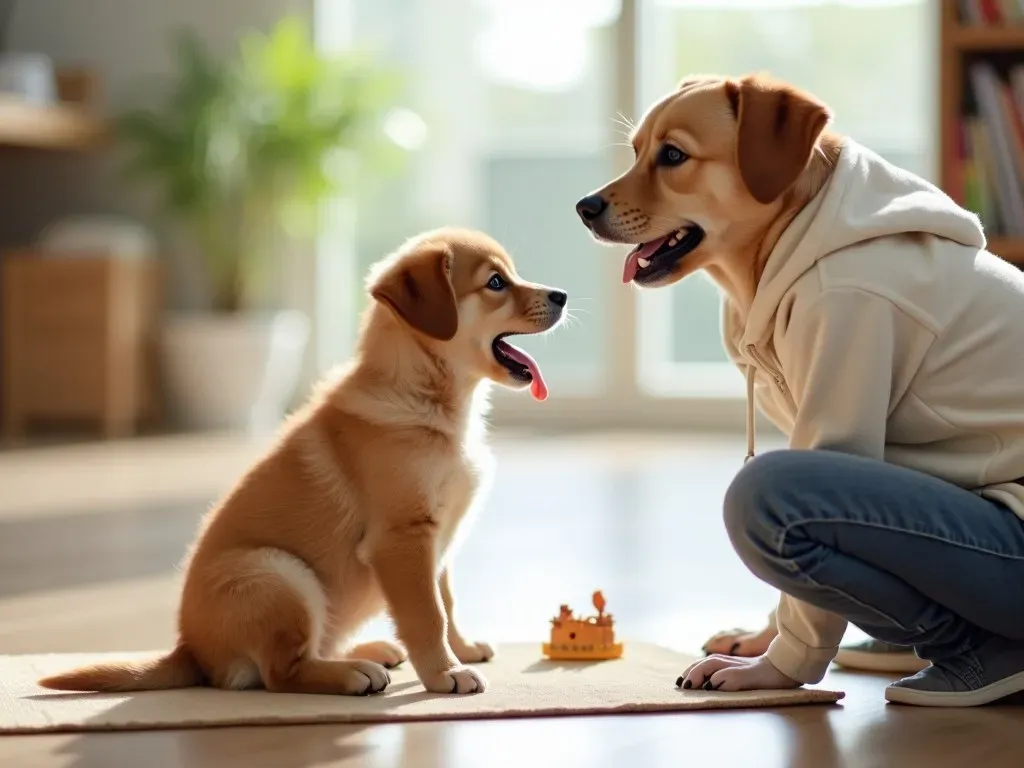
[[418, 287], [778, 130]]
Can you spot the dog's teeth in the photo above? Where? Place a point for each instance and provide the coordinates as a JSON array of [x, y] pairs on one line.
[[644, 263], [672, 242]]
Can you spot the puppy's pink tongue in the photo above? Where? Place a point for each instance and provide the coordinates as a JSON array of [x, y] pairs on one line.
[[538, 388], [644, 251]]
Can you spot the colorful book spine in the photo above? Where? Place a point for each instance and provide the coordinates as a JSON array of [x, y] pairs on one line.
[[997, 149], [1010, 11], [991, 12]]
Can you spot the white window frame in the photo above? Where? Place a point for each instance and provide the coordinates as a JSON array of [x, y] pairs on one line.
[[638, 390], [641, 388]]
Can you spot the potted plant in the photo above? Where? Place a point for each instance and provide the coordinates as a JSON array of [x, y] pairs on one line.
[[244, 150]]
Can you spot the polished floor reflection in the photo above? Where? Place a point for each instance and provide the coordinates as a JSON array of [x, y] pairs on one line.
[[636, 516]]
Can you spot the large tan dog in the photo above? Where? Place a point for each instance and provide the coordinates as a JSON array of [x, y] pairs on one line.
[[355, 507], [722, 167]]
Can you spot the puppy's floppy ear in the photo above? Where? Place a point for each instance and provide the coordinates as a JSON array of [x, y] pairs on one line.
[[778, 130], [418, 287]]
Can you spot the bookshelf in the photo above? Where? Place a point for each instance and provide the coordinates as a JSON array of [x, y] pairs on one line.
[[981, 105]]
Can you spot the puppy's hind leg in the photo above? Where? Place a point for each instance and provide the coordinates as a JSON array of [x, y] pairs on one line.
[[285, 668], [292, 610], [381, 651]]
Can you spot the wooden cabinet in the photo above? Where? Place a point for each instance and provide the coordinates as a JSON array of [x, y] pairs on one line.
[[78, 344]]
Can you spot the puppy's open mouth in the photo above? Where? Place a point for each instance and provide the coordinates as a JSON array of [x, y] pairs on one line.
[[649, 262], [520, 365]]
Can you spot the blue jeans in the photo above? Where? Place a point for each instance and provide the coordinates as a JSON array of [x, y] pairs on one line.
[[908, 558]]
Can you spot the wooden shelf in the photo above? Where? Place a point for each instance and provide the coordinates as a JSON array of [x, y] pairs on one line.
[[1008, 248], [955, 40], [23, 124], [1005, 38]]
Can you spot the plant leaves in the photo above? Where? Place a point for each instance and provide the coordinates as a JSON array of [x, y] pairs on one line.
[[253, 142]]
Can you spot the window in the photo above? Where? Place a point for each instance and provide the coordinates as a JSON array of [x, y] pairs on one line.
[[869, 60], [514, 106]]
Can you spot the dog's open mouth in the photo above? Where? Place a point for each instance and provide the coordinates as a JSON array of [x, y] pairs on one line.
[[651, 261], [520, 366]]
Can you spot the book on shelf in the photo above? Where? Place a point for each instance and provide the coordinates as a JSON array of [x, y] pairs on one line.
[[991, 13], [988, 162]]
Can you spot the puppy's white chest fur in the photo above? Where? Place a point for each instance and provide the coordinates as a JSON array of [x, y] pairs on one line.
[[464, 480]]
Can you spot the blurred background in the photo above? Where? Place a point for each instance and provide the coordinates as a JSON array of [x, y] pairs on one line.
[[193, 191]]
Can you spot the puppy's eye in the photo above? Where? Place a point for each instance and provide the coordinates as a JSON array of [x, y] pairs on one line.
[[671, 156], [497, 283]]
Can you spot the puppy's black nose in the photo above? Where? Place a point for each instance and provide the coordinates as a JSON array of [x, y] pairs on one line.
[[558, 297], [590, 207]]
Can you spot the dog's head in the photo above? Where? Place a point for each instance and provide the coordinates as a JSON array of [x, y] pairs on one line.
[[458, 293], [714, 163]]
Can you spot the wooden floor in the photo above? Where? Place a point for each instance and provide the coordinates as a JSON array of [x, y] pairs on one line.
[[89, 538]]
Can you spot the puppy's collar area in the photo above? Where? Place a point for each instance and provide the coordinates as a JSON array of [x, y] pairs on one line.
[[650, 261]]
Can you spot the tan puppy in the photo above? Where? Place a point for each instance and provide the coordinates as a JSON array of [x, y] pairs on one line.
[[722, 166], [354, 509]]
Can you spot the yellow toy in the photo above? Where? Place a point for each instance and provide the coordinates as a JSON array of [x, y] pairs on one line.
[[589, 639]]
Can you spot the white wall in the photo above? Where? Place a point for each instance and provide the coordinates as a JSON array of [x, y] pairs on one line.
[[123, 41]]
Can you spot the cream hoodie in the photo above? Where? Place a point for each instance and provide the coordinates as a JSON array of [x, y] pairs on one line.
[[882, 327]]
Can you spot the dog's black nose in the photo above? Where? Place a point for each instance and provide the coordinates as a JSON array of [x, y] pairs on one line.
[[590, 207], [558, 297]]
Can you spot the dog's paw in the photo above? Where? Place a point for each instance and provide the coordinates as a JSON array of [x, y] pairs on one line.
[[740, 642], [384, 652], [472, 653], [456, 680], [362, 678]]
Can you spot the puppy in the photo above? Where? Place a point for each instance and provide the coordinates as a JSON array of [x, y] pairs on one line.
[[722, 167], [355, 508]]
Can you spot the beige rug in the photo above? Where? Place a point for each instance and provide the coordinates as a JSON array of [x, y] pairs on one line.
[[522, 684]]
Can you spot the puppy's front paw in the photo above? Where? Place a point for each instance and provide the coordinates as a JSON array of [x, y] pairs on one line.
[[456, 680], [363, 677], [383, 652], [472, 653]]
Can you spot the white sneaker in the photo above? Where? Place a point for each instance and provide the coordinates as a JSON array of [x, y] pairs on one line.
[[876, 656]]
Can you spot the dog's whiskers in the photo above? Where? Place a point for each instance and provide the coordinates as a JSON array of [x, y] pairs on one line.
[[626, 123], [571, 322], [617, 144]]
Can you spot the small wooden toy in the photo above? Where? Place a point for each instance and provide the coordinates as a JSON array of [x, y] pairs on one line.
[[587, 639]]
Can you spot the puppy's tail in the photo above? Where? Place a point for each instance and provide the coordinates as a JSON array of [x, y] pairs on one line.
[[178, 669]]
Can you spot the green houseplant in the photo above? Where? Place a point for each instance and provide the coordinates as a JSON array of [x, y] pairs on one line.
[[243, 150]]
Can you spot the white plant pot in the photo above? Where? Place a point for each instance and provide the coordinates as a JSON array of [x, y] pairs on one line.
[[232, 371]]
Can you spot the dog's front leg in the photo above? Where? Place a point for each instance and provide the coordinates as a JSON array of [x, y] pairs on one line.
[[467, 651], [405, 564]]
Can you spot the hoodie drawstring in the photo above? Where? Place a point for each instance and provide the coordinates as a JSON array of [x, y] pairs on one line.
[[750, 413]]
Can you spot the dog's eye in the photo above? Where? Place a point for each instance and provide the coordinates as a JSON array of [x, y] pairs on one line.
[[497, 283], [670, 155]]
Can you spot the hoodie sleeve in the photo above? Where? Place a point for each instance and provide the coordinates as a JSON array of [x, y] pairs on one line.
[[837, 353]]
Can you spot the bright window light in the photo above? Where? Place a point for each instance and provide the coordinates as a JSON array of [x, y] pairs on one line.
[[540, 45]]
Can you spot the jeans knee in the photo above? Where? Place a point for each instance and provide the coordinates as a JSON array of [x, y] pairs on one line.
[[751, 505]]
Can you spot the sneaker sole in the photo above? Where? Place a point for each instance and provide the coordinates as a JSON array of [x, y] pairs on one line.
[[866, 661], [986, 695]]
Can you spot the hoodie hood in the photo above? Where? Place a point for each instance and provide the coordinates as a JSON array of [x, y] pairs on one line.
[[865, 198]]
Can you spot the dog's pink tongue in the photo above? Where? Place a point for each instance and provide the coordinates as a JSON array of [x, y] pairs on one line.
[[644, 251], [538, 388]]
